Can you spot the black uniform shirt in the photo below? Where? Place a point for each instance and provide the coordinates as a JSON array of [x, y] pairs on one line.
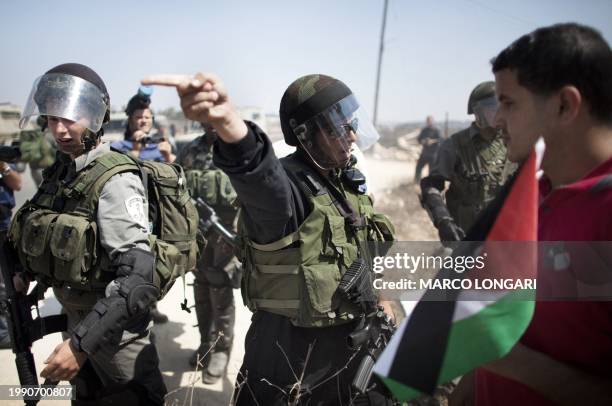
[[272, 204]]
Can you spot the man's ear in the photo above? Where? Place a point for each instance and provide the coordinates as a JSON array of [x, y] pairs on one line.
[[570, 103]]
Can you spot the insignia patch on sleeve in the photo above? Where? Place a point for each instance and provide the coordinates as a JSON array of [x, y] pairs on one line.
[[135, 208]]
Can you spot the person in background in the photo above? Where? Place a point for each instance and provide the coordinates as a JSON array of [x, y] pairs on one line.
[[217, 272], [429, 138], [473, 162], [141, 139]]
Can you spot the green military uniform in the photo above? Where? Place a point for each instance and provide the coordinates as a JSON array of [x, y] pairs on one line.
[[84, 215], [217, 270], [474, 162], [476, 168], [297, 276], [38, 151]]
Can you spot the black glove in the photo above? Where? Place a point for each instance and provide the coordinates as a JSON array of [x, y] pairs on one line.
[[449, 230]]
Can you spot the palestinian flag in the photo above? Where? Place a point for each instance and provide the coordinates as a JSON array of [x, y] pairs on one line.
[[441, 340]]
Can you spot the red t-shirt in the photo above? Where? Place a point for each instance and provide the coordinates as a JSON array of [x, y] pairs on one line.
[[576, 333]]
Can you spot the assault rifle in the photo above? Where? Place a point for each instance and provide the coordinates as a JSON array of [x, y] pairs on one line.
[[24, 329], [210, 221], [375, 328]]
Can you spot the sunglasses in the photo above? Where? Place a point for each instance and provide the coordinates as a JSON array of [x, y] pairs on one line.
[[352, 125]]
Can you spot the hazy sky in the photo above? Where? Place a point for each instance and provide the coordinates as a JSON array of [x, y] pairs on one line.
[[435, 51]]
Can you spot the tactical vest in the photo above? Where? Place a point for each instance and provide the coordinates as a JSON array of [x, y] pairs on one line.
[[56, 232], [297, 276], [480, 171], [207, 181]]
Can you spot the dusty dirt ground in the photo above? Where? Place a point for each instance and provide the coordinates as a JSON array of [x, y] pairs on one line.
[[400, 199], [402, 206]]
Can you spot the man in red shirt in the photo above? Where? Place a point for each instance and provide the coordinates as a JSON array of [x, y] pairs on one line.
[[556, 83]]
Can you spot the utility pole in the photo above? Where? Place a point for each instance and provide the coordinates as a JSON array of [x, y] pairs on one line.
[[446, 125], [380, 55]]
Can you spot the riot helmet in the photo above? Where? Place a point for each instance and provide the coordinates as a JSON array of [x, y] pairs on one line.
[[483, 104], [69, 91], [322, 116]]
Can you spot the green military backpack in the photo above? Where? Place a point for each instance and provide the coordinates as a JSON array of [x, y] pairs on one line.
[[59, 245], [173, 220]]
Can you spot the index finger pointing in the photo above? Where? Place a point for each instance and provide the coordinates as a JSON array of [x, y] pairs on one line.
[[165, 80]]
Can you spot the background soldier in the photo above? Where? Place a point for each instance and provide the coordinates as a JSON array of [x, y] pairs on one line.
[[37, 149], [297, 241], [86, 233], [474, 162], [429, 138], [216, 275]]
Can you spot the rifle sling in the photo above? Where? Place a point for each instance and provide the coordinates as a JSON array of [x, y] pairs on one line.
[[41, 326]]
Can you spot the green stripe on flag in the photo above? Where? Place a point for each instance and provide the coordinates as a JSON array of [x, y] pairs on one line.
[[486, 335], [400, 391]]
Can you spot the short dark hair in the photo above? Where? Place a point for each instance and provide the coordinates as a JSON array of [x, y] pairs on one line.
[[563, 54]]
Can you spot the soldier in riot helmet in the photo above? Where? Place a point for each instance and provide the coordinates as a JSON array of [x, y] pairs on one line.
[[305, 219], [86, 233], [217, 273], [474, 163]]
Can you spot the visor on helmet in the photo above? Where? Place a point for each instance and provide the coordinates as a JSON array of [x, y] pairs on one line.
[[485, 110], [68, 97], [327, 137]]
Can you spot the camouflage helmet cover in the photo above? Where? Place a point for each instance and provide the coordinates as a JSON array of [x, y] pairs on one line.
[[481, 91], [299, 102]]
